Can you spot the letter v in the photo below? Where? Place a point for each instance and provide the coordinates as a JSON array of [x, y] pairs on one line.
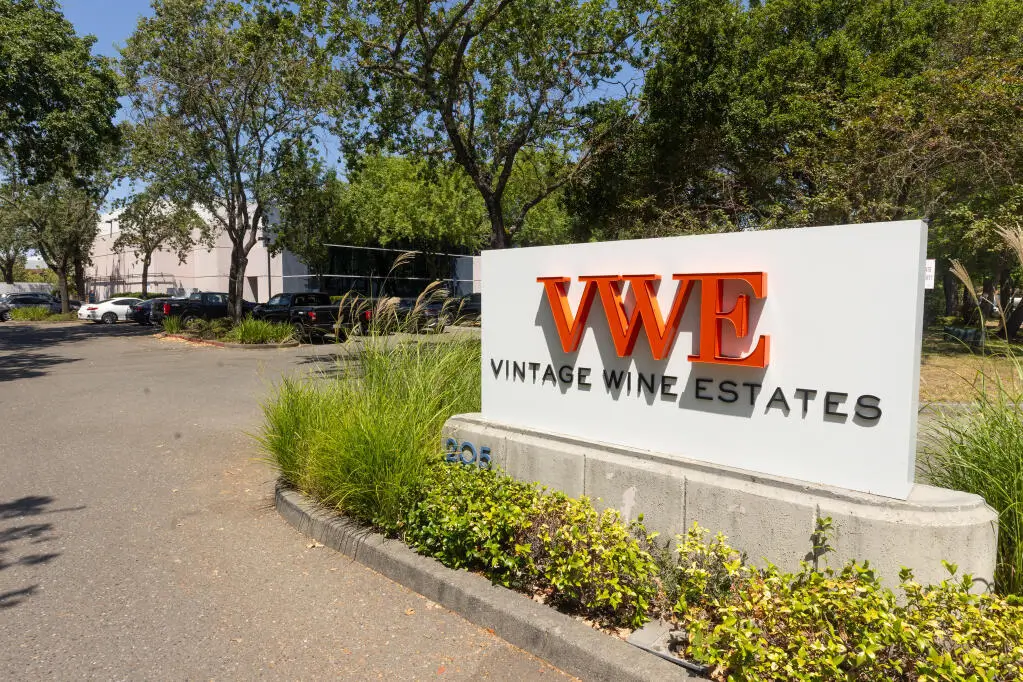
[[570, 327]]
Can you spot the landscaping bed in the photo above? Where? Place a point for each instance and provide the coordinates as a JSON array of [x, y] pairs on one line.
[[249, 333], [367, 444]]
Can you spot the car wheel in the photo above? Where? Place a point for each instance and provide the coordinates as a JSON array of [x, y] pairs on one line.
[[109, 318], [299, 331], [5, 316], [187, 320]]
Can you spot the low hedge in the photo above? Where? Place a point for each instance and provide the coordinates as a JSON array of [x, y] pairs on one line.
[[744, 622], [40, 314], [764, 624], [544, 543]]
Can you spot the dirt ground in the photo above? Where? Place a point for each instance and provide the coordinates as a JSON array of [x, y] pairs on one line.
[[951, 371]]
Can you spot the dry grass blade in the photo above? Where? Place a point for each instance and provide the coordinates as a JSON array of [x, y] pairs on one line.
[[1013, 238], [961, 273]]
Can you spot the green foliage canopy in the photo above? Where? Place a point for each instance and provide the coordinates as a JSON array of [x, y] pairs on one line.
[[488, 84], [57, 99]]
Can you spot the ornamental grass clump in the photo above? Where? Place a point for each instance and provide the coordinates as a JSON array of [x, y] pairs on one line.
[[980, 450], [252, 331], [363, 438], [172, 324]]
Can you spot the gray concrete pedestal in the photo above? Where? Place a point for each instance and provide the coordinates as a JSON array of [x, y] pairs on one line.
[[769, 518]]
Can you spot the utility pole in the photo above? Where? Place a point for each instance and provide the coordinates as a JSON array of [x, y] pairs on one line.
[[266, 246]]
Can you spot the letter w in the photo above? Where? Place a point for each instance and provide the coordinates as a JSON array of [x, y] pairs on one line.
[[660, 333], [570, 327]]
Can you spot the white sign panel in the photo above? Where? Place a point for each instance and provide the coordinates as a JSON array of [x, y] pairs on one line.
[[794, 353], [929, 273]]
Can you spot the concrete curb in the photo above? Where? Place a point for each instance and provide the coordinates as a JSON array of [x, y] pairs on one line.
[[225, 344], [560, 640], [261, 346]]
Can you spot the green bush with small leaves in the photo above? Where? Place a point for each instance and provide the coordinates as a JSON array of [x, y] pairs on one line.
[[525, 537], [763, 624]]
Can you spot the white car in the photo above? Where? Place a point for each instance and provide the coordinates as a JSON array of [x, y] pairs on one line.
[[109, 311]]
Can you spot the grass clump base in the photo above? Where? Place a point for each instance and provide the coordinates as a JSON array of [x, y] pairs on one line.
[[252, 331], [172, 324]]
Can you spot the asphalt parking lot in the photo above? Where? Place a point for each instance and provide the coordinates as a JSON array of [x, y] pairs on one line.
[[137, 540]]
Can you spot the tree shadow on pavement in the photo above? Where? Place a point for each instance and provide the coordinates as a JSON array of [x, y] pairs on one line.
[[21, 336], [23, 545], [29, 365]]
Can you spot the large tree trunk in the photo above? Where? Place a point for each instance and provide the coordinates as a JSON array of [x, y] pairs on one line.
[[7, 266], [145, 274], [498, 234], [79, 278], [62, 283], [948, 284], [236, 282]]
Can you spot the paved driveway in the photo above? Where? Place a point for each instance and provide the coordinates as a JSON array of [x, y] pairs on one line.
[[137, 538]]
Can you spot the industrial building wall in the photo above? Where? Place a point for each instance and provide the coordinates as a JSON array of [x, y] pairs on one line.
[[114, 272]]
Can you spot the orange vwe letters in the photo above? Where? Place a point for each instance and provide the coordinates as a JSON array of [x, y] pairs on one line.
[[712, 315], [570, 330], [647, 314]]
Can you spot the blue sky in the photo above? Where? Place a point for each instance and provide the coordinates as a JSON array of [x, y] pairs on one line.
[[111, 22]]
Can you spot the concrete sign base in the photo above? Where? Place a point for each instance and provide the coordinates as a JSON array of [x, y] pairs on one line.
[[771, 519]]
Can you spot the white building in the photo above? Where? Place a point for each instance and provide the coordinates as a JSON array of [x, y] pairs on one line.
[[114, 271]]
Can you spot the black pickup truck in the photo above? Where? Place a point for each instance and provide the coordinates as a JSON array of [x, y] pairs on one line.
[[201, 305], [312, 314]]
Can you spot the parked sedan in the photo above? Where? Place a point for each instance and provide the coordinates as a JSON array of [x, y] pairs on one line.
[[142, 312], [39, 300], [109, 311]]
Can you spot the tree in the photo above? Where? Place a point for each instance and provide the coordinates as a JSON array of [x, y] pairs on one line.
[[14, 243], [62, 219], [222, 91], [150, 222], [396, 200], [57, 99], [482, 82], [308, 200]]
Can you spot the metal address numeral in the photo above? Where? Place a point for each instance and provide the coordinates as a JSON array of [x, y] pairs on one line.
[[454, 453]]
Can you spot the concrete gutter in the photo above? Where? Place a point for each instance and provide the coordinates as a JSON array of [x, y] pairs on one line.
[[555, 637]]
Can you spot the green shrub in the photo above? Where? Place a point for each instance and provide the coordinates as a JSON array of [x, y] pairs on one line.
[[31, 314], [364, 439], [172, 324], [251, 330], [763, 624], [980, 450], [542, 542]]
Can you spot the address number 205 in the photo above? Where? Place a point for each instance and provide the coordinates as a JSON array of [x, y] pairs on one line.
[[466, 453]]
